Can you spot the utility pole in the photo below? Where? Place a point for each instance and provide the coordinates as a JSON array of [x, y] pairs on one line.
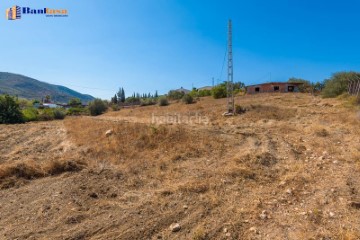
[[230, 80]]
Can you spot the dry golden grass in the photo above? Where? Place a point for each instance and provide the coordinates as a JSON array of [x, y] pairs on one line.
[[280, 168], [29, 170]]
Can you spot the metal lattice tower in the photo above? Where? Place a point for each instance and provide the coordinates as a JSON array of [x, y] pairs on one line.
[[230, 80]]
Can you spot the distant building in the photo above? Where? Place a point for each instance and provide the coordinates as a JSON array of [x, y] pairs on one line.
[[273, 87], [50, 105]]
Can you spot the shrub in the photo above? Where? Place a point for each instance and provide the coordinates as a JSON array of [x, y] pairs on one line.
[[75, 102], [219, 91], [239, 109], [188, 99], [46, 115], [338, 83], [115, 107], [59, 113], [163, 101], [353, 100], [76, 111], [10, 110], [97, 107], [204, 93], [176, 95], [30, 114], [147, 102], [23, 103], [133, 100]]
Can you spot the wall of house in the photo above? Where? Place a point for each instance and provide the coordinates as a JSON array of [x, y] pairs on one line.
[[269, 88]]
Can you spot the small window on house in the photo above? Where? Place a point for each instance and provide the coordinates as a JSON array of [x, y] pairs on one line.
[[290, 88], [276, 88], [257, 89]]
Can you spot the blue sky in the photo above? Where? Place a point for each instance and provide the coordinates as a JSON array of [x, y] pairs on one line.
[[148, 45]]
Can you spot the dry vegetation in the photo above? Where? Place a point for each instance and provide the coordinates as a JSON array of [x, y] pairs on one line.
[[286, 169]]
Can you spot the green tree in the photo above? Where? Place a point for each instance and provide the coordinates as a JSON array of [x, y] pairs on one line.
[[175, 95], [204, 93], [114, 99], [97, 107], [306, 86], [238, 85], [338, 83], [122, 95], [156, 94], [10, 110], [75, 102], [219, 91], [47, 99]]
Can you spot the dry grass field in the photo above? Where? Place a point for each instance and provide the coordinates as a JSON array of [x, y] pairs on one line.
[[288, 168]]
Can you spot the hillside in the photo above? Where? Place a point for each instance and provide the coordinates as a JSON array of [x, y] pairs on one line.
[[29, 88], [288, 168]]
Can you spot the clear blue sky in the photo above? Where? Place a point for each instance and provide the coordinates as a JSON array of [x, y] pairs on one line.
[[148, 45]]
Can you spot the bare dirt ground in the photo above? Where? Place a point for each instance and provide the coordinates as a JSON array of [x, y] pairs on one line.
[[288, 168]]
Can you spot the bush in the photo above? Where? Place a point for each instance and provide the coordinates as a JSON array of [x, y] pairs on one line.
[[46, 115], [351, 100], [115, 107], [176, 95], [219, 91], [97, 107], [75, 102], [163, 101], [188, 99], [76, 111], [147, 102], [59, 113], [338, 83], [30, 114], [239, 109], [10, 110], [204, 93]]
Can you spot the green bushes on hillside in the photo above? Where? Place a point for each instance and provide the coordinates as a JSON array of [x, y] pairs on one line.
[[59, 114], [97, 107], [163, 101], [188, 99], [10, 110], [148, 101], [338, 83], [219, 91], [175, 95], [30, 114]]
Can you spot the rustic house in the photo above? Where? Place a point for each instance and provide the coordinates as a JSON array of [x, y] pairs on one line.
[[272, 87]]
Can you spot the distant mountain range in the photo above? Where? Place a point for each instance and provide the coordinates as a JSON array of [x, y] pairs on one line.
[[29, 88]]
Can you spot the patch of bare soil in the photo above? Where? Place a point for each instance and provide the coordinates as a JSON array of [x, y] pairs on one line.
[[288, 168]]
